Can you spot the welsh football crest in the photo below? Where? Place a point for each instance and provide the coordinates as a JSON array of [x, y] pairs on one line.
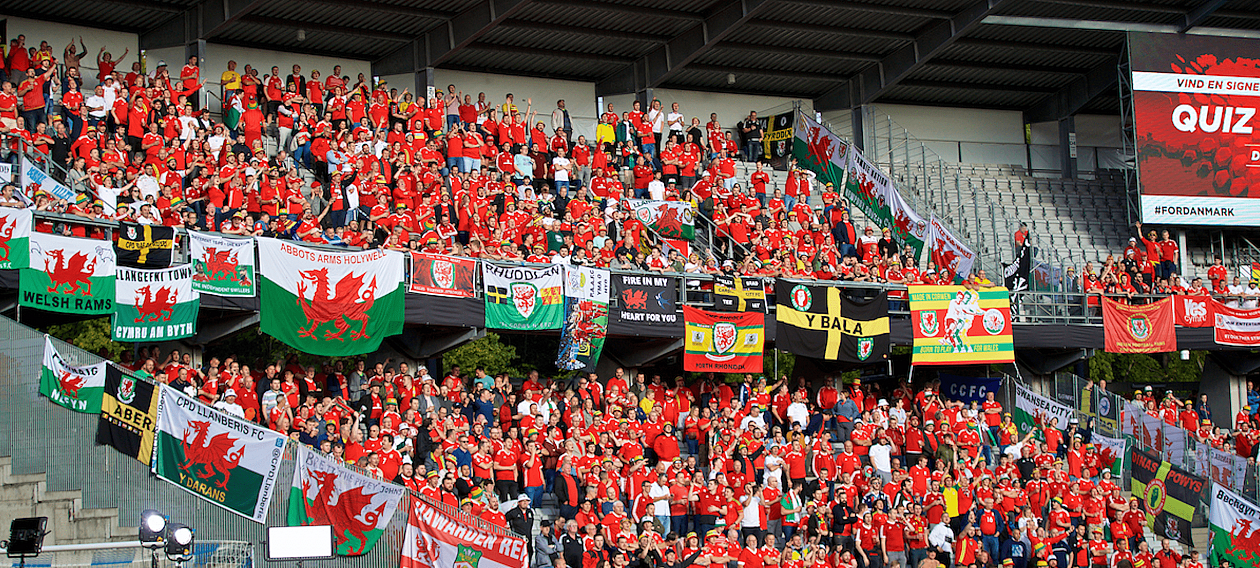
[[525, 298], [127, 390], [928, 324], [467, 557], [1140, 327], [866, 345], [802, 299], [724, 334], [994, 321], [443, 273]]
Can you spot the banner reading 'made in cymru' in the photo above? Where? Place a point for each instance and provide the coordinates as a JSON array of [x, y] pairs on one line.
[[434, 539], [958, 326], [221, 458]]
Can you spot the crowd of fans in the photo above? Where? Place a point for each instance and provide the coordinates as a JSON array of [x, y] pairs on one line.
[[454, 173], [652, 473]]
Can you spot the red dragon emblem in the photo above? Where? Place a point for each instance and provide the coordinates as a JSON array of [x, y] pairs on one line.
[[6, 233], [634, 299], [71, 272], [213, 455], [819, 146], [220, 265], [668, 224], [1244, 541], [347, 303], [156, 307], [352, 514], [70, 384]]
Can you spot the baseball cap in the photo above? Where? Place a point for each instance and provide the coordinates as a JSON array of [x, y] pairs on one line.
[[229, 392]]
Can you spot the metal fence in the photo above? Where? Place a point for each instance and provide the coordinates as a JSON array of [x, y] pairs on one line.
[[43, 438]]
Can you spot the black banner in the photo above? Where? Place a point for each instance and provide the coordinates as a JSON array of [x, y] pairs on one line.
[[128, 415], [144, 246], [1169, 495], [645, 300], [1017, 273], [777, 138], [823, 323], [738, 294]]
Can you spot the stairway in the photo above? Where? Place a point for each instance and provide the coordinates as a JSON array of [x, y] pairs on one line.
[[27, 495]]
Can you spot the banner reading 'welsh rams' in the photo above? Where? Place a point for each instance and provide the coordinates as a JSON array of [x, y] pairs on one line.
[[68, 275], [223, 459], [155, 305], [330, 303]]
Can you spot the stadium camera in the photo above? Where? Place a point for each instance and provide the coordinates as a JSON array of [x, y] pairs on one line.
[[179, 542], [152, 529], [26, 538]]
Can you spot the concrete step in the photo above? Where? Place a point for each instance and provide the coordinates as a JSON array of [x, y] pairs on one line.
[[27, 495]]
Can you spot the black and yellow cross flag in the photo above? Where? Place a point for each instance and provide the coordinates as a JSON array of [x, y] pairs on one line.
[[823, 323]]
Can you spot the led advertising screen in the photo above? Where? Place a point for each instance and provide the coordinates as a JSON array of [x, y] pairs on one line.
[[1198, 136]]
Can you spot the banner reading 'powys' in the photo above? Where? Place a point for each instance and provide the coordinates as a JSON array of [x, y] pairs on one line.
[[330, 303]]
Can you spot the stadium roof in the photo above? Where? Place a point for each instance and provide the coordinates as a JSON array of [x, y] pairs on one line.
[[1048, 58]]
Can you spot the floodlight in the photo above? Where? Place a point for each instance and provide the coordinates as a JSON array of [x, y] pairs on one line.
[[152, 529], [179, 542], [26, 537]]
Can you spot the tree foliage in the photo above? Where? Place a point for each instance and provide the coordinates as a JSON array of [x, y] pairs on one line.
[[92, 335], [1141, 368], [489, 352]]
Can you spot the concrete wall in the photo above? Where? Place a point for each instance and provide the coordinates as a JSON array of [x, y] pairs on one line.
[[58, 35]]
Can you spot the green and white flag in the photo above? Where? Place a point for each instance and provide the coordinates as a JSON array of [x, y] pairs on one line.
[[225, 267], [155, 305], [68, 275], [78, 388], [586, 294], [522, 298], [670, 219], [232, 114], [330, 303], [1111, 452], [221, 458], [1235, 526], [358, 507], [15, 234], [1033, 410]]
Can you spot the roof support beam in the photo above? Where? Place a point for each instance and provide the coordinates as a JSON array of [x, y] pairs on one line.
[[218, 15], [626, 9], [875, 80], [664, 62], [324, 28], [1075, 95], [442, 42], [821, 29], [374, 6], [801, 52], [591, 32], [878, 8], [1201, 13]]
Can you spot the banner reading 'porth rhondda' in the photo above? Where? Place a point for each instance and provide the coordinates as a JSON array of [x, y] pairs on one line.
[[434, 539], [221, 458]]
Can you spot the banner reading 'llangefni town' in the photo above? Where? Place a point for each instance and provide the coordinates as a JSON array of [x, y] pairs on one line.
[[586, 294], [954, 325], [15, 233], [434, 539], [68, 275], [77, 387], [225, 267], [326, 492], [155, 305], [225, 460], [330, 303], [523, 298]]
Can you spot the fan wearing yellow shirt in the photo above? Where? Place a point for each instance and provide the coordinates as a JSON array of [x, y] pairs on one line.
[[230, 79]]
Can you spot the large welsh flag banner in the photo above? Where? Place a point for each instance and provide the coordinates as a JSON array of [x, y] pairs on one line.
[[723, 342], [68, 275], [326, 492], [223, 459], [77, 387], [155, 305], [15, 234], [670, 219], [586, 294], [954, 325], [522, 298], [1235, 525], [435, 539], [330, 303]]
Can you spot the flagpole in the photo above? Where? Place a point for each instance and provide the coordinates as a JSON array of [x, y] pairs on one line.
[[776, 365]]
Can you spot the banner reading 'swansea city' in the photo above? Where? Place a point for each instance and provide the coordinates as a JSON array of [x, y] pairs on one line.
[[1195, 100]]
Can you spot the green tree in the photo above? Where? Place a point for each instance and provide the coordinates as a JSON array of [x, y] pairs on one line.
[[92, 335], [1141, 368], [489, 352]]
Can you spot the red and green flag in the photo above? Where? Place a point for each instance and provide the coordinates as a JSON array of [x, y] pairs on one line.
[[358, 507], [68, 275]]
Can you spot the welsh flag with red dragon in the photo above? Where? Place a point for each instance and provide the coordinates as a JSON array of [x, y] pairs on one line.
[[330, 303], [326, 492], [77, 387]]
